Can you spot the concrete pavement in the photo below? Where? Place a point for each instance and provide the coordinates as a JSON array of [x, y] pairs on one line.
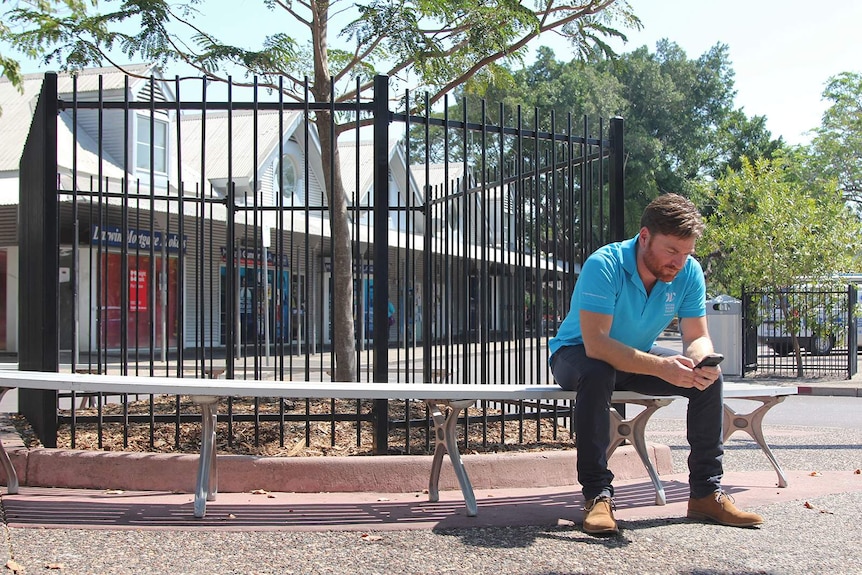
[[260, 510], [811, 526]]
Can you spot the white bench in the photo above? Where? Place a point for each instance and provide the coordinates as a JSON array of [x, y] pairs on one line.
[[446, 401]]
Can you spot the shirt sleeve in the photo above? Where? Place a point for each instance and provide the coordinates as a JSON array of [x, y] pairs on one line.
[[597, 286]]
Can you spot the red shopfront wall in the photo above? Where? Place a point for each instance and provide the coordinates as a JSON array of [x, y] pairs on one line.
[[140, 301]]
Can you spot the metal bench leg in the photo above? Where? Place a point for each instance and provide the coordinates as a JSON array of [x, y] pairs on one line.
[[752, 423], [207, 480], [439, 450], [634, 430], [11, 474], [446, 440]]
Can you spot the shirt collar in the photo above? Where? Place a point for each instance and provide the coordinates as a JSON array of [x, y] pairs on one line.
[[630, 256], [630, 262]]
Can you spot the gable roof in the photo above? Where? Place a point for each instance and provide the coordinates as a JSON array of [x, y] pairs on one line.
[[16, 108], [358, 159], [112, 79], [441, 179]]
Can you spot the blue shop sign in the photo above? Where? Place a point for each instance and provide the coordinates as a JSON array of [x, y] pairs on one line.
[[249, 257], [112, 236]]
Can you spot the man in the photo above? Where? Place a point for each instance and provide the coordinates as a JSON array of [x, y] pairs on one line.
[[626, 295]]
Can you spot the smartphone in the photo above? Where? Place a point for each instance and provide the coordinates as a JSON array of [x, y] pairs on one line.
[[711, 360]]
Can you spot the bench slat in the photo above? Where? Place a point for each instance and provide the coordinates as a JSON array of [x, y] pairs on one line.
[[80, 382]]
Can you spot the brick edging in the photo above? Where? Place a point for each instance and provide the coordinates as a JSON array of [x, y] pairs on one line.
[[67, 468]]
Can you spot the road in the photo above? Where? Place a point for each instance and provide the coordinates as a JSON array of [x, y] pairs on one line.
[[804, 410]]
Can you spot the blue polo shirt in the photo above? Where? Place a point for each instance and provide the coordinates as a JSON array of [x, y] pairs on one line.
[[609, 284]]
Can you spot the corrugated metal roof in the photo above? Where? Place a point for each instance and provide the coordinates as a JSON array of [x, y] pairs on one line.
[[439, 178], [214, 143], [352, 157], [112, 79], [16, 119]]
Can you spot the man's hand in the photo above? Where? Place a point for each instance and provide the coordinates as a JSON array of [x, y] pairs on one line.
[[706, 376], [680, 371]]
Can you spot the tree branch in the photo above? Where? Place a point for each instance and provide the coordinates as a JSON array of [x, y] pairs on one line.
[[289, 9]]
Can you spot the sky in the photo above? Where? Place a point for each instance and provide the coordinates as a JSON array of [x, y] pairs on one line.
[[782, 51]]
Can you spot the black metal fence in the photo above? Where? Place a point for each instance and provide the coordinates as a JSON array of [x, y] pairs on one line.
[[192, 237], [801, 331]]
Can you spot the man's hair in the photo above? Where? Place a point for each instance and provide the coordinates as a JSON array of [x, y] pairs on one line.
[[673, 215]]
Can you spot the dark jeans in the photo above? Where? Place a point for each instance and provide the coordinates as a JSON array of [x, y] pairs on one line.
[[595, 381]]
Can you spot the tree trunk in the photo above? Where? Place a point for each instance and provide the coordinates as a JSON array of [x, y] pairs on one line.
[[797, 354], [343, 340]]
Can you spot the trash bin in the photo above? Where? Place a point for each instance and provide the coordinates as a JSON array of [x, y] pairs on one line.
[[724, 320]]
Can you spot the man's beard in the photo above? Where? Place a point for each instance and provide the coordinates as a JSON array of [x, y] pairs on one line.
[[662, 273]]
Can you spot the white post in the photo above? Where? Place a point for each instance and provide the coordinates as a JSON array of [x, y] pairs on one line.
[[266, 243], [162, 222], [238, 304], [163, 287]]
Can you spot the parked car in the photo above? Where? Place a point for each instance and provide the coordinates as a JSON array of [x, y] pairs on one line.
[[819, 341]]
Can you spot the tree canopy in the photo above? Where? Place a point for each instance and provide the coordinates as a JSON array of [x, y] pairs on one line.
[[437, 44], [681, 125], [10, 67], [836, 150], [768, 228]]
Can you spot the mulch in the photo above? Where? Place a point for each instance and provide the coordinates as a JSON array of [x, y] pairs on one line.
[[301, 428]]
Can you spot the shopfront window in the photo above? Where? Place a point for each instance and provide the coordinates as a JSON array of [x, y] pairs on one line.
[[145, 309], [260, 305]]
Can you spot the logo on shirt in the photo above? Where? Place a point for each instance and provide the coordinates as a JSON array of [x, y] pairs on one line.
[[668, 303]]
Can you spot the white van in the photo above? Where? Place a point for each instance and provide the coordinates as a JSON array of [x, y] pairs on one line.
[[825, 317]]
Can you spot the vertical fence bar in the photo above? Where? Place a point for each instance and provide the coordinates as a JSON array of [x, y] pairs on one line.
[[427, 263], [381, 257], [617, 196]]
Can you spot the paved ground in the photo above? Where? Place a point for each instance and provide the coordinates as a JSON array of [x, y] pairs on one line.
[[807, 531], [811, 526]]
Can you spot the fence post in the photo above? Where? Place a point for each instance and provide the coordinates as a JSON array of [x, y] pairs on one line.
[[231, 286], [617, 181], [38, 233], [381, 259]]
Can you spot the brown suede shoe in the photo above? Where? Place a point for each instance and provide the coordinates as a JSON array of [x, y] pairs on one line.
[[719, 507], [599, 517]]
